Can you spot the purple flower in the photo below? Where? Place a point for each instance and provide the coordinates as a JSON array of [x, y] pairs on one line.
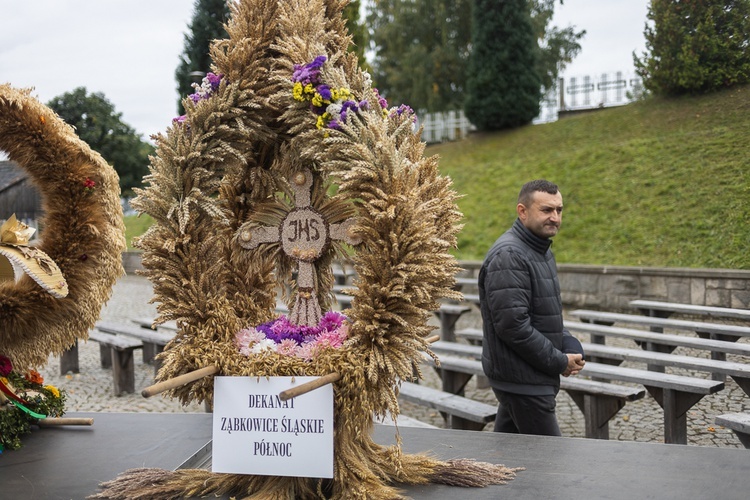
[[381, 100], [214, 80], [324, 91], [308, 73]]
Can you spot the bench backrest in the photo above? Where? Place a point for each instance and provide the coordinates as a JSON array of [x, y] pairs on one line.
[[678, 324], [697, 310], [660, 338]]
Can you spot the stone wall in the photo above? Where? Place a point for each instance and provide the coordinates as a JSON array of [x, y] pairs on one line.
[[612, 287]]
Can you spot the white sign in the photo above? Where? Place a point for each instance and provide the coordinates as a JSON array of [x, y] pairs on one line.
[[255, 432]]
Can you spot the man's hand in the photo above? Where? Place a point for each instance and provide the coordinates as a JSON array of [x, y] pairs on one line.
[[575, 365]]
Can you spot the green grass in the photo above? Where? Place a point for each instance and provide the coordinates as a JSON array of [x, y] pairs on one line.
[[654, 183], [135, 226]]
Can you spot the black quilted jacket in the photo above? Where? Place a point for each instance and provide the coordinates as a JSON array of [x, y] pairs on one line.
[[522, 314]]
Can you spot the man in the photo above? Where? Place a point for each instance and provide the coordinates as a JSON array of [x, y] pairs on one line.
[[523, 353]]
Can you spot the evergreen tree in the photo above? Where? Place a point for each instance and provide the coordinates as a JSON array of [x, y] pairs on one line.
[[99, 125], [207, 25], [695, 46], [503, 85]]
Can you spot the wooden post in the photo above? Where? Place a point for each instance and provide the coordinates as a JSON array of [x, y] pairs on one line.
[[309, 386], [178, 381]]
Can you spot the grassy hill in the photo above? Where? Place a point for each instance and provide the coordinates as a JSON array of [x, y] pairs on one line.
[[653, 183]]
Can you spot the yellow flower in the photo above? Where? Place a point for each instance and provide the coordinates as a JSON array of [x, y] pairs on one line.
[[297, 92], [344, 93], [309, 89], [317, 100], [53, 390]]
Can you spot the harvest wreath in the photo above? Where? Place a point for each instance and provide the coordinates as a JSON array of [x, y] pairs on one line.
[[293, 139], [83, 233], [51, 293]]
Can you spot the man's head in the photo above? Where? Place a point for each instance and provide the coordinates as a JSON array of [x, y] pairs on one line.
[[540, 208]]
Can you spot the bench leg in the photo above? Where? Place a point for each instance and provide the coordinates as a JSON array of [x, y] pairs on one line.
[[743, 383], [675, 405], [744, 438], [69, 360], [149, 351], [454, 383], [597, 412], [105, 355], [123, 370], [464, 424]]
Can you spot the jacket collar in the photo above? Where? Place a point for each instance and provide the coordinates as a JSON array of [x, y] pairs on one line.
[[541, 245]]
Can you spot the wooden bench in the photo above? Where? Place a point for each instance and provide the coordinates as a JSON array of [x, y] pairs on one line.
[[344, 301], [740, 372], [402, 421], [153, 341], [116, 352], [669, 341], [715, 331], [473, 335], [718, 331], [739, 423], [666, 309], [462, 413], [598, 401], [675, 394], [448, 314]]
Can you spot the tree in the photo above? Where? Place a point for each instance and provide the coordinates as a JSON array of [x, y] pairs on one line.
[[695, 46], [556, 47], [421, 49], [357, 30], [101, 127], [207, 25], [503, 86]]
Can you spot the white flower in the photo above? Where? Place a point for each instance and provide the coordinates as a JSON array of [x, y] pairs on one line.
[[334, 109], [264, 344]]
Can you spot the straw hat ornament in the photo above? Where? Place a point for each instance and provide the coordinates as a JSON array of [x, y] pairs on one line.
[[52, 291], [18, 258], [286, 160]]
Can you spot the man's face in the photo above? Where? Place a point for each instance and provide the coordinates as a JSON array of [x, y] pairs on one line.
[[544, 216]]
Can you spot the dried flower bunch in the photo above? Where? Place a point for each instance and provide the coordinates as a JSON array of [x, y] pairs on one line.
[[83, 232], [226, 172], [24, 400]]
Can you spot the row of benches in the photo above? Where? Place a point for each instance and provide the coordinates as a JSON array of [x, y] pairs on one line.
[[676, 394]]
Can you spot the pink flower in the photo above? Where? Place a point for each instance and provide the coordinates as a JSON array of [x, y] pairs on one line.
[[287, 347]]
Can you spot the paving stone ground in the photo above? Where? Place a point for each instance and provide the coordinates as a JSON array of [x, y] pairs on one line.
[[91, 389]]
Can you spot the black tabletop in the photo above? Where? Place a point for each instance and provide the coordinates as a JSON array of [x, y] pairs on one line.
[[70, 462]]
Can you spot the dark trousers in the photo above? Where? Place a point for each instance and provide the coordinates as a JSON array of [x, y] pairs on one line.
[[522, 414]]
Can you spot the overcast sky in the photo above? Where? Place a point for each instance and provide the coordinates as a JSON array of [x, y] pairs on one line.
[[129, 49]]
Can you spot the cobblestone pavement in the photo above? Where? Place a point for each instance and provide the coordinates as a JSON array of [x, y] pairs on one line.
[[91, 389]]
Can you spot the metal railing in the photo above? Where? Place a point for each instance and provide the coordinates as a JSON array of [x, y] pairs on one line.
[[571, 94]]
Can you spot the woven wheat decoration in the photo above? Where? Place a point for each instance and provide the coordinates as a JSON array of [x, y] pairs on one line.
[[286, 137], [83, 233]]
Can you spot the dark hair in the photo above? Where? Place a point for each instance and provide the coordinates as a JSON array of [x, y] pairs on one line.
[[528, 189]]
